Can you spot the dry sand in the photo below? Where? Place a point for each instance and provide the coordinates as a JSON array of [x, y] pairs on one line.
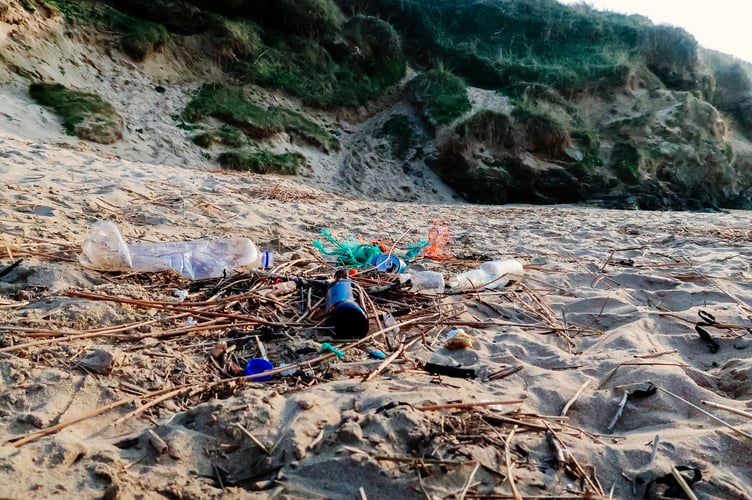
[[623, 289], [609, 299]]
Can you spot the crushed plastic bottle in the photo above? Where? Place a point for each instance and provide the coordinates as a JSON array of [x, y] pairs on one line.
[[106, 250], [492, 274]]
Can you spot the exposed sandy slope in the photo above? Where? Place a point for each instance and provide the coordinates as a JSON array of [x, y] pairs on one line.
[[624, 287]]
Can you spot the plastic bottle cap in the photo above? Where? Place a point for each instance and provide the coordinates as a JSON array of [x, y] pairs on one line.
[[267, 259], [258, 365]]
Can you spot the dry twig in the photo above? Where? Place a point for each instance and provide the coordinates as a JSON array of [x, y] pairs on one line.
[[510, 466], [729, 409], [683, 484], [735, 429], [574, 398]]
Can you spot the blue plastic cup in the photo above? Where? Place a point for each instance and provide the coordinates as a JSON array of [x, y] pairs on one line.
[[258, 365], [345, 315]]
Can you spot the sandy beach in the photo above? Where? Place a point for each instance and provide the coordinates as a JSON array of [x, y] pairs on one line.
[[609, 304], [621, 361]]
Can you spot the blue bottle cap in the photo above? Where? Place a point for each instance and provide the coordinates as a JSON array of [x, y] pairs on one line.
[[267, 259], [258, 365]]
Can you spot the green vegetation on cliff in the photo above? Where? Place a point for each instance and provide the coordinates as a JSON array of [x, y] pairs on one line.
[[231, 106], [584, 105], [350, 70], [83, 114], [400, 131], [263, 162], [441, 96], [139, 37]]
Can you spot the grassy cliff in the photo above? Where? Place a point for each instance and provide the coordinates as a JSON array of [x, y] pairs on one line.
[[602, 107]]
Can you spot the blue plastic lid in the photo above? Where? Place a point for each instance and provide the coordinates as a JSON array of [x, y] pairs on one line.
[[258, 365]]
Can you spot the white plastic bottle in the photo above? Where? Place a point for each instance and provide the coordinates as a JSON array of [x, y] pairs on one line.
[[492, 274], [428, 282], [106, 250]]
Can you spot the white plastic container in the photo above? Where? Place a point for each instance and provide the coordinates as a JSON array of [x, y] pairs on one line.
[[491, 275], [106, 250], [428, 282]]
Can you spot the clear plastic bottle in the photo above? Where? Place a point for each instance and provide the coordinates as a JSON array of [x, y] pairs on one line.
[[492, 274], [106, 250], [428, 282]]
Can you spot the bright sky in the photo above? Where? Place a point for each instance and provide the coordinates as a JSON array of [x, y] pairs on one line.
[[719, 24]]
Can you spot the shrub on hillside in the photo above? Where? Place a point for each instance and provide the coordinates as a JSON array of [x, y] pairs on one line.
[[401, 133], [672, 54], [375, 47], [142, 38], [226, 135], [83, 114], [440, 95], [546, 130], [177, 16], [489, 127], [311, 18], [305, 68], [233, 39], [263, 162], [141, 34], [231, 106], [627, 162], [496, 44]]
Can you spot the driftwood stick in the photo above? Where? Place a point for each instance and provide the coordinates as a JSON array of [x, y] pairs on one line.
[[561, 458], [529, 497], [735, 429], [510, 465], [55, 340], [653, 363], [415, 461], [729, 409], [150, 404], [619, 410], [468, 482], [656, 354], [252, 438], [505, 372], [569, 457], [574, 398], [608, 260], [501, 420], [157, 442], [382, 366], [170, 306], [454, 406], [683, 484]]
